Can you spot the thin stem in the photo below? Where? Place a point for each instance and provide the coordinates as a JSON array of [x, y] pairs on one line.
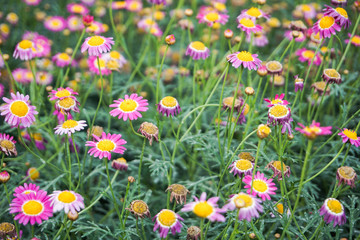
[[140, 164], [255, 164], [67, 150], [132, 129], [159, 74]]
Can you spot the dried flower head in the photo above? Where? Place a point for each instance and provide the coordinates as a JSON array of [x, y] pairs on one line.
[[149, 131], [247, 156], [274, 67], [139, 208], [193, 233], [229, 102], [346, 175], [228, 33], [178, 192], [319, 87], [276, 167], [119, 164], [7, 145], [330, 75], [7, 230]]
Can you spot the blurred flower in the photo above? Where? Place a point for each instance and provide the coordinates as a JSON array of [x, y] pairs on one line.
[[340, 15], [355, 40], [276, 167], [25, 50], [4, 177], [346, 175], [61, 59], [274, 67], [254, 13], [43, 78], [33, 174], [168, 106], [129, 108], [31, 207], [77, 8], [8, 231], [259, 39], [308, 55], [299, 83], [12, 18], [351, 136], [167, 220], [87, 20], [205, 208], [18, 110], [333, 211], [170, 39], [119, 164], [330, 75], [261, 186], [94, 65], [193, 233], [197, 50], [102, 147], [149, 131], [7, 145], [314, 130], [307, 10], [211, 17], [248, 25], [178, 192], [241, 167], [96, 45], [32, 2], [250, 206], [320, 88], [244, 58], [279, 208], [74, 23], [228, 33], [70, 126], [66, 200], [139, 208], [55, 23], [157, 2], [339, 2]]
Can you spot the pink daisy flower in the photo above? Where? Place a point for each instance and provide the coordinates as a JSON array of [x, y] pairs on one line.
[[115, 56], [32, 2], [70, 126], [42, 46], [197, 50], [31, 208], [7, 145], [55, 23], [95, 28], [94, 66], [103, 146], [66, 200], [167, 220], [77, 8], [211, 17], [25, 50], [117, 5], [278, 100], [314, 130], [61, 93], [351, 136], [340, 15], [259, 39], [355, 40], [279, 114], [333, 211], [157, 2], [43, 78], [307, 10], [249, 206], [26, 189], [339, 2], [244, 58], [254, 13], [67, 104], [326, 26], [88, 2], [306, 55], [261, 186], [242, 167], [96, 45], [130, 107], [300, 38], [299, 83], [168, 106], [75, 23], [248, 25], [61, 59], [205, 208], [133, 5], [18, 110]]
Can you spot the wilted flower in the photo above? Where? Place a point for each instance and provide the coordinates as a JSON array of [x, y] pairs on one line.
[[119, 164], [139, 208], [178, 192], [346, 175], [330, 75], [168, 106], [263, 131], [241, 167], [7, 145], [170, 39], [197, 50], [149, 131], [276, 167]]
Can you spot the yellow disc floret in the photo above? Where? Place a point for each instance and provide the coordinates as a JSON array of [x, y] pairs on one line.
[[278, 111], [198, 46], [245, 56], [96, 41], [32, 208], [66, 197], [259, 186], [106, 145], [326, 22], [203, 209], [243, 164], [128, 105], [19, 108], [334, 206], [167, 218], [169, 101]]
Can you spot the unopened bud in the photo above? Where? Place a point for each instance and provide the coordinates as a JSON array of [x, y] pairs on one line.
[[131, 179], [72, 216], [249, 91]]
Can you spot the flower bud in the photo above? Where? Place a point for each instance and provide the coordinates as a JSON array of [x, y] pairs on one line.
[[4, 177], [131, 179], [170, 40], [249, 91], [252, 235], [263, 131], [88, 20], [228, 33], [189, 12], [72, 216]]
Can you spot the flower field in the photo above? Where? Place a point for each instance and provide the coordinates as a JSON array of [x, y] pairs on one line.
[[178, 119]]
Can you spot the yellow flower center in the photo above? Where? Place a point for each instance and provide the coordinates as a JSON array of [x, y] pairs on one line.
[[229, 101], [326, 22], [347, 172], [37, 136], [169, 101], [321, 85], [101, 63], [355, 40], [167, 218], [55, 23], [67, 102], [19, 108], [25, 44], [115, 54], [254, 12], [203, 209], [34, 173], [149, 22], [128, 105], [178, 189], [121, 160], [312, 130], [149, 128], [70, 124], [247, 22], [274, 66], [245, 56], [77, 8], [277, 101], [96, 41], [4, 28], [158, 15], [6, 227], [280, 208], [334, 206], [308, 54], [260, 186], [350, 134], [8, 145], [246, 109], [111, 64], [64, 56], [62, 93], [332, 73], [32, 208], [106, 145], [198, 45], [243, 164], [220, 6], [140, 207], [278, 111], [306, 8], [66, 197], [212, 16], [277, 165], [342, 12], [247, 199]]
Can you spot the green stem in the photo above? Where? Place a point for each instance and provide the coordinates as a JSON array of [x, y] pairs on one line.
[[159, 75], [133, 130], [140, 164], [255, 164], [78, 161], [69, 159]]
